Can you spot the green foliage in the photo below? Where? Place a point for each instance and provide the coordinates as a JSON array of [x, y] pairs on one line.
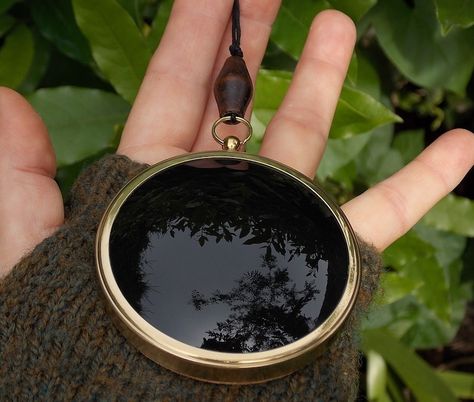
[[423, 298], [376, 377], [378, 160], [14, 65], [292, 24], [6, 22], [159, 23], [39, 65], [81, 64], [55, 20], [424, 383], [81, 121], [462, 384], [359, 113], [356, 113], [355, 9], [452, 13], [340, 152], [134, 8], [413, 41], [409, 144], [454, 214], [6, 4], [118, 47]]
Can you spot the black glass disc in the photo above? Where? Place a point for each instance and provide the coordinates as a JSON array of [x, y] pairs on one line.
[[229, 256]]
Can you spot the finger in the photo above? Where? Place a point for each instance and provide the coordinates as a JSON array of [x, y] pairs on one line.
[[30, 201], [385, 212], [298, 132], [172, 97], [256, 21]]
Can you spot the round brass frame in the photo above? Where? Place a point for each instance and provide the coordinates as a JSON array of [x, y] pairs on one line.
[[206, 365]]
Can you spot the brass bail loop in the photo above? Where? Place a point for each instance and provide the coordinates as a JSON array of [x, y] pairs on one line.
[[231, 143]]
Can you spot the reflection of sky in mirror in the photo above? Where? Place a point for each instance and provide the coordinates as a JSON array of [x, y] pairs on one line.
[[175, 266], [229, 296]]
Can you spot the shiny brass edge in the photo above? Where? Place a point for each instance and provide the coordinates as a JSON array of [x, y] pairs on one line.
[[211, 366]]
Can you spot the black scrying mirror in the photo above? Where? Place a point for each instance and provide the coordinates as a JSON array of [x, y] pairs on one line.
[[227, 267]]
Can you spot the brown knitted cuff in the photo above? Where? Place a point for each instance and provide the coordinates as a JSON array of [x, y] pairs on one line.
[[57, 342]]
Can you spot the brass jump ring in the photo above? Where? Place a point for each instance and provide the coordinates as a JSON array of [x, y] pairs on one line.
[[224, 119]]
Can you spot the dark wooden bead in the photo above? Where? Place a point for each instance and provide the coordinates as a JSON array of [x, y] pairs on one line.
[[233, 89]]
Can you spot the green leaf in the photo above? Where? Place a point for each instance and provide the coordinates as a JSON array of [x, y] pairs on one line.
[[293, 22], [418, 273], [462, 384], [454, 214], [355, 9], [423, 296], [453, 13], [409, 143], [351, 77], [253, 146], [277, 59], [142, 11], [448, 247], [345, 177], [271, 88], [404, 317], [118, 47], [408, 250], [81, 122], [134, 8], [339, 152], [417, 374], [376, 377], [6, 4], [159, 24], [15, 64], [412, 40], [368, 79], [55, 20], [39, 65], [378, 160], [395, 388], [358, 113], [6, 22]]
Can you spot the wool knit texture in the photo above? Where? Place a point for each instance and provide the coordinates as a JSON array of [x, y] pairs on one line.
[[58, 343]]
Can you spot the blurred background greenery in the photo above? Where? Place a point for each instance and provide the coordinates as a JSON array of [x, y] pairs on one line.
[[80, 63]]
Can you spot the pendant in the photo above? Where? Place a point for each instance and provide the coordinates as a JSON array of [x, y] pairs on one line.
[[223, 266], [227, 267]]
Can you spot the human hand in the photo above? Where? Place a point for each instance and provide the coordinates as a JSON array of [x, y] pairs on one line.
[[175, 109]]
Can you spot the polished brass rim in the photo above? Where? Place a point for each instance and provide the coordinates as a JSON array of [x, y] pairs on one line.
[[206, 365]]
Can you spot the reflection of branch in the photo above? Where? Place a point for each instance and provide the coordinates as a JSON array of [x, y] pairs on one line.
[[198, 206], [198, 300], [266, 310], [219, 205]]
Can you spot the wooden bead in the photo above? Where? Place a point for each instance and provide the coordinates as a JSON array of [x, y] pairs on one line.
[[233, 89]]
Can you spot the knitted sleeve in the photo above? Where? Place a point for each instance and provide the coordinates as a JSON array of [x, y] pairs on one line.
[[58, 343]]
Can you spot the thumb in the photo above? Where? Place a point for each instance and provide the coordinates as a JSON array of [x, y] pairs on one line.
[[31, 205]]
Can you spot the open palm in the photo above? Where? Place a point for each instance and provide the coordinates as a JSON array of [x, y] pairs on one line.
[[175, 109]]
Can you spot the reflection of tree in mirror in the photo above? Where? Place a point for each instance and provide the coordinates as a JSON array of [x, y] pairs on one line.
[[266, 311], [255, 204]]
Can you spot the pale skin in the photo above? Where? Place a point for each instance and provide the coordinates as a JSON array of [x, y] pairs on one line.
[[175, 109]]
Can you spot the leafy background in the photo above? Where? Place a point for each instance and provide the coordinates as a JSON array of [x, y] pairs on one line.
[[80, 64]]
